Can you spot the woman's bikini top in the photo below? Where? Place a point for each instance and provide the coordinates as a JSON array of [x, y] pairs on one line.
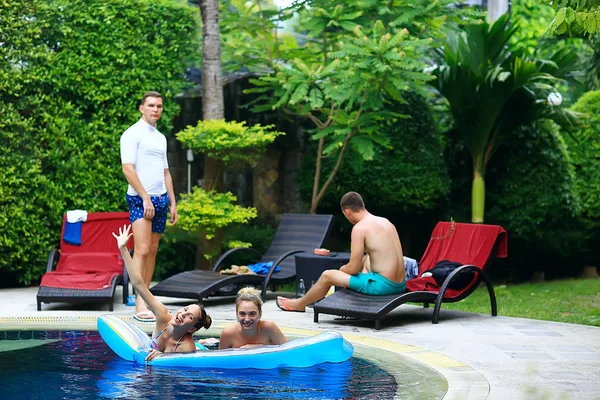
[[154, 342]]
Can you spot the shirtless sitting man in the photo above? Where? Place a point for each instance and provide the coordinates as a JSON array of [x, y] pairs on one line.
[[379, 272]]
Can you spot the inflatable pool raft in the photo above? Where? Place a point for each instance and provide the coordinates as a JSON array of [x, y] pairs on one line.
[[133, 344]]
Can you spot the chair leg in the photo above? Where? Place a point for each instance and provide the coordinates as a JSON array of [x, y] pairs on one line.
[[377, 324], [490, 289], [316, 317], [125, 292], [39, 305], [426, 305], [263, 293], [436, 312], [110, 305], [438, 305]]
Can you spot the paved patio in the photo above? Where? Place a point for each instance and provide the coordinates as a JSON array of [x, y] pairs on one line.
[[480, 356]]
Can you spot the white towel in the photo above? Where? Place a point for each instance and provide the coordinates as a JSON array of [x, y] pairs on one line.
[[76, 216]]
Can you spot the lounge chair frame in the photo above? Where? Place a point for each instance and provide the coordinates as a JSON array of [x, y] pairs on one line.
[[48, 294], [78, 296], [199, 284], [352, 304], [377, 307]]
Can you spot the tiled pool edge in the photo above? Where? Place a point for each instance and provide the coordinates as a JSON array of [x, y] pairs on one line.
[[463, 381]]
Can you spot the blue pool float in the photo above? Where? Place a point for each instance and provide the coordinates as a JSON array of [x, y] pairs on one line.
[[133, 344]]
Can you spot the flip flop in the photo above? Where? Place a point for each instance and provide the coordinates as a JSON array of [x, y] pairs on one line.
[[140, 316], [284, 306]]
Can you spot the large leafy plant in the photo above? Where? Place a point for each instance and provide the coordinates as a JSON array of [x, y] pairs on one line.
[[344, 96], [492, 91]]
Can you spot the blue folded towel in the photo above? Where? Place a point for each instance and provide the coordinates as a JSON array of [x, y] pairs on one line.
[[72, 233], [263, 268]]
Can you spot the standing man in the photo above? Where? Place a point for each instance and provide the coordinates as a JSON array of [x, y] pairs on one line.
[[150, 193], [379, 272]]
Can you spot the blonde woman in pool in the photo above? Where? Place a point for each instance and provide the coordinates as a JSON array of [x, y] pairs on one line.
[[250, 330], [172, 332]]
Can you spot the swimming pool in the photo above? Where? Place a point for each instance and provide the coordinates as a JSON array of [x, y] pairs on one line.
[[78, 364]]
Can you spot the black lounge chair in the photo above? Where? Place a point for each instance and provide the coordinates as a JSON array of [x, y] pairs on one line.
[[296, 233], [472, 245], [91, 271]]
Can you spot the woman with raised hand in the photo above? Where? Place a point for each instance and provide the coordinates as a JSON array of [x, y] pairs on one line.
[[172, 332], [250, 330]]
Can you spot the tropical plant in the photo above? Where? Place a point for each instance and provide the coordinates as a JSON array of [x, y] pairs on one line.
[[491, 91]]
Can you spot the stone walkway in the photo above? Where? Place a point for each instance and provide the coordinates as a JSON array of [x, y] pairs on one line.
[[480, 356]]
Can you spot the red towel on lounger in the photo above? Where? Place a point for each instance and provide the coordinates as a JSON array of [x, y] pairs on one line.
[[87, 271], [464, 243]]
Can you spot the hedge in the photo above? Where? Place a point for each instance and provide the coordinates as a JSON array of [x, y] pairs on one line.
[[584, 149], [532, 194], [70, 85]]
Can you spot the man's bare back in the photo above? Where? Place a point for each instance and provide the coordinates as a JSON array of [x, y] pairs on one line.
[[380, 272], [382, 244]]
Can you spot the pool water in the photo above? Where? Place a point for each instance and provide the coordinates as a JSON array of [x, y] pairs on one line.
[[78, 364]]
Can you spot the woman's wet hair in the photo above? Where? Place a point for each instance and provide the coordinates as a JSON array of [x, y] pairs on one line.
[[248, 293], [205, 320]]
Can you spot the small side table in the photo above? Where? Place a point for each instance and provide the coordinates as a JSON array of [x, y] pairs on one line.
[[310, 266]]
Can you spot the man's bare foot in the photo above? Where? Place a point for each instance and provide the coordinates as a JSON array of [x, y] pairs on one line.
[[286, 304]]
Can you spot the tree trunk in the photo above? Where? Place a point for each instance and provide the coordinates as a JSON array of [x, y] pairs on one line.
[[212, 106], [478, 197], [319, 193]]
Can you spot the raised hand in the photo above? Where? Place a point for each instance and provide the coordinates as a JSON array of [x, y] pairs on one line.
[[123, 236]]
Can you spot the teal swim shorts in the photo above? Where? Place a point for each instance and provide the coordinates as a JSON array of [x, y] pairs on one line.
[[375, 284]]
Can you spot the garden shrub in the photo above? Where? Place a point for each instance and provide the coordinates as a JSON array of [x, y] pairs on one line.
[[531, 193], [71, 77], [584, 151]]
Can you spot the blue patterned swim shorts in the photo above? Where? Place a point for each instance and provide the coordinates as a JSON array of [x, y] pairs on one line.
[[161, 209]]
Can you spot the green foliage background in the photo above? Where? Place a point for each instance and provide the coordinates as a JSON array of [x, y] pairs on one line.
[[410, 175], [534, 191], [532, 194], [584, 149], [71, 76]]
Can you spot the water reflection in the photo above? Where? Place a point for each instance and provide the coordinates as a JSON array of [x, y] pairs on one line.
[[80, 365], [324, 381]]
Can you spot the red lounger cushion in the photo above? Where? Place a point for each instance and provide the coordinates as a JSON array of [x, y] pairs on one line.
[[86, 271], [467, 244]]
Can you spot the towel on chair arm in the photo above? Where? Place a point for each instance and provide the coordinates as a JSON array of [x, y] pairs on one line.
[[72, 234], [263, 268]]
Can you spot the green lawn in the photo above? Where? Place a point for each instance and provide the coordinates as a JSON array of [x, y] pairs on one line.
[[575, 301]]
